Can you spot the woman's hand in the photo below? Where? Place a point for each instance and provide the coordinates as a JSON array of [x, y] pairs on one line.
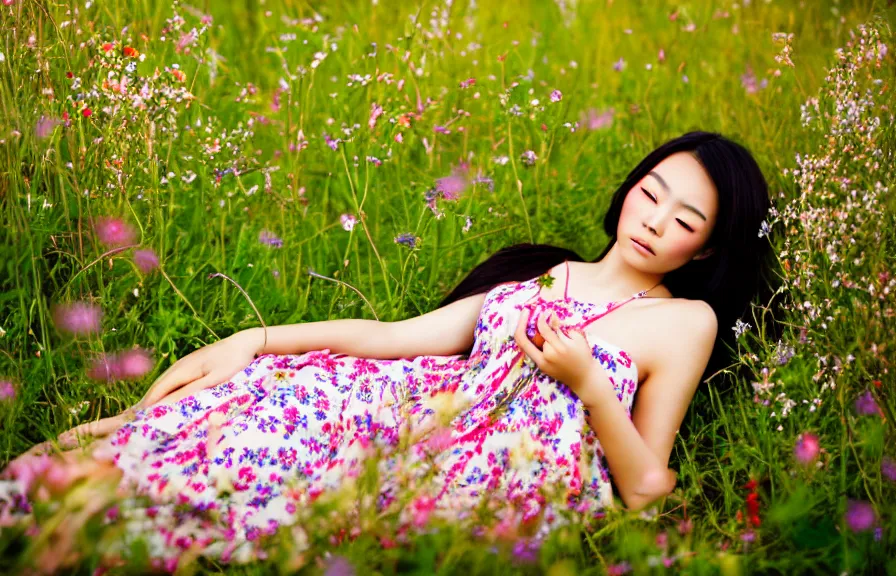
[[204, 368], [566, 355]]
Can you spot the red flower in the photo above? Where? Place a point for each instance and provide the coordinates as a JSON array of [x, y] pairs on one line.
[[131, 52], [69, 75], [87, 112], [751, 485], [107, 47]]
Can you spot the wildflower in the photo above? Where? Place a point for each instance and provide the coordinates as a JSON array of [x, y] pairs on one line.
[[399, 138], [339, 566], [107, 47], [860, 515], [748, 81], [619, 65], [78, 317], [44, 127], [130, 52], [528, 157], [806, 449], [331, 142], [888, 468], [595, 121], [526, 550], [146, 260], [467, 83], [269, 238], [87, 112], [452, 186], [556, 96], [113, 232], [348, 222], [740, 327], [375, 112], [407, 239], [865, 404], [685, 526], [128, 365], [623, 567], [7, 390], [375, 161], [441, 130]]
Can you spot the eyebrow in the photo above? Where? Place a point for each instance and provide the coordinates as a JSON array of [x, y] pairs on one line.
[[666, 187]]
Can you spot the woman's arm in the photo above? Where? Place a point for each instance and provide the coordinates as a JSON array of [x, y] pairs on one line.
[[638, 449]]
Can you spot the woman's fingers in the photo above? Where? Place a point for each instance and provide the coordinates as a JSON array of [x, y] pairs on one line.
[[207, 381], [175, 377]]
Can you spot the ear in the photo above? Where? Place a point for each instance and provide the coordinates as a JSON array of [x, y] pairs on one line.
[[704, 254]]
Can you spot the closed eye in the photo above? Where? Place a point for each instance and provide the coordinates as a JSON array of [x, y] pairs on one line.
[[685, 226]]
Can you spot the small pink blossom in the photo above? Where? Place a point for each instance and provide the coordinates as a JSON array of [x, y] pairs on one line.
[[807, 448], [467, 83], [127, 365], [348, 222], [113, 232], [556, 96], [422, 507], [595, 121], [7, 390], [78, 317], [375, 112], [146, 260]]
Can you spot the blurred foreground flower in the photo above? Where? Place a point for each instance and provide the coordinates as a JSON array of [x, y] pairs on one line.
[[44, 127], [888, 468], [595, 121], [339, 566], [865, 404], [7, 390], [127, 365], [113, 231], [806, 449], [860, 515], [146, 260], [78, 317]]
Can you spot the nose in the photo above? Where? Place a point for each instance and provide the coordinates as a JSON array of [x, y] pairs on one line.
[[656, 221]]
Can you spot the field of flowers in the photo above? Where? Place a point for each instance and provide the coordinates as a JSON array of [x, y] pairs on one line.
[[172, 173]]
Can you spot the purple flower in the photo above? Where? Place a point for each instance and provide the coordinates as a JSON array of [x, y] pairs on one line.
[[146, 260], [619, 65], [331, 142], [339, 566], [526, 551], [113, 232], [269, 238], [860, 515], [451, 187], [407, 239], [7, 390], [441, 130], [865, 404], [528, 157], [556, 96], [78, 317], [888, 468], [44, 127], [806, 449]]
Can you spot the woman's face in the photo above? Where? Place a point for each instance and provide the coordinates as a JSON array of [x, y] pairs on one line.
[[672, 209]]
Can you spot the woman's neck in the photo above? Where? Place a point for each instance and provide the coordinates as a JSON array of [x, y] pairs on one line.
[[614, 273]]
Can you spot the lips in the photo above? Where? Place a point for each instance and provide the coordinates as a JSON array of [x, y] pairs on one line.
[[645, 245]]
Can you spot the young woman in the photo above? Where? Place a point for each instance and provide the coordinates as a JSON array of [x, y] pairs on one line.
[[516, 389]]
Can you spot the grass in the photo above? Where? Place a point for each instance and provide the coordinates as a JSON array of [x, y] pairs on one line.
[[229, 176]]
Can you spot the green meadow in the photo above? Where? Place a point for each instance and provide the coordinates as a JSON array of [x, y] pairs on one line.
[[192, 170]]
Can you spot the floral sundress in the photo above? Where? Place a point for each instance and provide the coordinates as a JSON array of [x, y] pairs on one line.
[[289, 428]]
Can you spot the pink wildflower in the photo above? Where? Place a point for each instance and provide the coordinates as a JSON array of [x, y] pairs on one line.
[[556, 96], [375, 112], [7, 390], [113, 232], [348, 222], [78, 317], [146, 260], [806, 449], [44, 127], [595, 121], [128, 365]]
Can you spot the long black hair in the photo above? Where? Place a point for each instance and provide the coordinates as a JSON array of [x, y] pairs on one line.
[[739, 269]]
